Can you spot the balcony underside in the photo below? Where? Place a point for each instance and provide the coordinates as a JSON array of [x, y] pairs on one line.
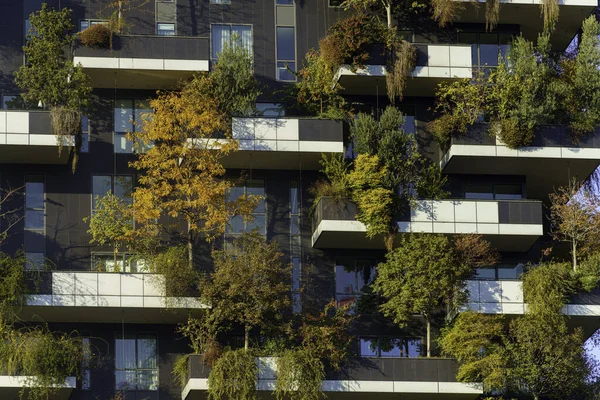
[[278, 160], [136, 78], [335, 234], [526, 14], [543, 174], [374, 85], [33, 154]]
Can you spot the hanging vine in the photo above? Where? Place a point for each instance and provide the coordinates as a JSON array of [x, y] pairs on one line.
[[233, 376], [299, 376], [550, 12], [401, 63], [492, 14]]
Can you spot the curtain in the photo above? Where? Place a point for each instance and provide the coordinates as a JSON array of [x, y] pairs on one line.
[[221, 35]]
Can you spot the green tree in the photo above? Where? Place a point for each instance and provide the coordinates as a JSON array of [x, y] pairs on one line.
[[111, 222], [426, 272], [250, 284], [183, 174], [50, 77]]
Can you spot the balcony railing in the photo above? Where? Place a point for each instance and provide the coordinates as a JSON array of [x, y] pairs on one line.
[[512, 225], [365, 375], [152, 47]]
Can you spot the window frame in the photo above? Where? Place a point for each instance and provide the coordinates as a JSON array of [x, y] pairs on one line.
[[378, 353], [355, 295], [231, 25], [136, 337], [158, 30], [135, 124], [112, 187], [30, 254]]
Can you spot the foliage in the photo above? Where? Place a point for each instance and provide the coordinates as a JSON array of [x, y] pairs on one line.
[[531, 86], [574, 219], [425, 273], [233, 85], [202, 334], [233, 376], [476, 341], [401, 62], [335, 184], [96, 36], [373, 198], [114, 14], [172, 264], [492, 14], [299, 376], [549, 11], [183, 171], [445, 11], [250, 284], [325, 334], [588, 272], [49, 75], [13, 286], [111, 222], [180, 370], [317, 89], [536, 354]]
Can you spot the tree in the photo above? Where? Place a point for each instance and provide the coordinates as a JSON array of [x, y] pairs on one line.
[[50, 77], [183, 175], [423, 274], [250, 284], [575, 218], [111, 223]]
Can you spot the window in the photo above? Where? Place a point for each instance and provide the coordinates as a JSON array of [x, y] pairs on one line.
[[284, 2], [494, 192], [389, 347], [11, 102], [85, 137], [120, 185], [105, 262], [136, 366], [286, 53], [237, 225], [35, 221], [222, 34], [503, 271], [86, 23], [335, 3], [270, 110], [350, 278], [129, 116], [486, 47], [220, 1], [163, 29]]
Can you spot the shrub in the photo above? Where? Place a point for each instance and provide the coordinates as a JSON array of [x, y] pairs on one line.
[[96, 36]]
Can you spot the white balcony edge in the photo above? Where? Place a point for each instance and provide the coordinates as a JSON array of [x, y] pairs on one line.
[[7, 381], [506, 297], [470, 150], [580, 3], [148, 64], [361, 386]]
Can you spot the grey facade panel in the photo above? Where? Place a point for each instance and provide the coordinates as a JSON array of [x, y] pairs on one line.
[[39, 122], [520, 212], [166, 12], [321, 130]]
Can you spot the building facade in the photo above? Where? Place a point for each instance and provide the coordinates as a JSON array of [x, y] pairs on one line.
[[495, 191]]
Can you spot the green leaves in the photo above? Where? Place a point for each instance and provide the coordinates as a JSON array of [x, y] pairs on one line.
[[233, 376]]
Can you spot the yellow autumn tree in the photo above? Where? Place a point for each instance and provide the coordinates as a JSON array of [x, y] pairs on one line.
[[187, 137]]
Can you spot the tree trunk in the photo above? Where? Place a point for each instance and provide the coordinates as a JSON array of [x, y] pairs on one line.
[[574, 254], [246, 337], [115, 259], [190, 246], [388, 11], [428, 336]]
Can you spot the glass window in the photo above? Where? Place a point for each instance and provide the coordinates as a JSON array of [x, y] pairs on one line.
[[163, 29], [236, 225], [270, 109], [283, 71], [221, 35], [389, 347], [286, 43], [101, 186], [335, 3], [34, 261], [485, 273], [480, 192], [121, 186], [85, 364], [136, 363], [508, 192], [123, 114], [220, 1], [284, 2], [34, 202], [350, 277], [129, 116]]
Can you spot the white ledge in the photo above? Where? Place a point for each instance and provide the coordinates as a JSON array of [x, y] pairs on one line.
[[7, 381], [154, 64]]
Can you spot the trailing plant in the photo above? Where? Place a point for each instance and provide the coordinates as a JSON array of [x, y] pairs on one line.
[[550, 11], [13, 286], [233, 376], [97, 36], [401, 62], [172, 264], [445, 11], [492, 14], [299, 376], [335, 183], [50, 77], [180, 370]]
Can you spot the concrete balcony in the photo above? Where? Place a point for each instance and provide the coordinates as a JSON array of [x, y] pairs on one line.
[[144, 62], [26, 138], [526, 14], [435, 63], [11, 387], [106, 297], [388, 378], [506, 297], [282, 143], [550, 161], [507, 225]]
